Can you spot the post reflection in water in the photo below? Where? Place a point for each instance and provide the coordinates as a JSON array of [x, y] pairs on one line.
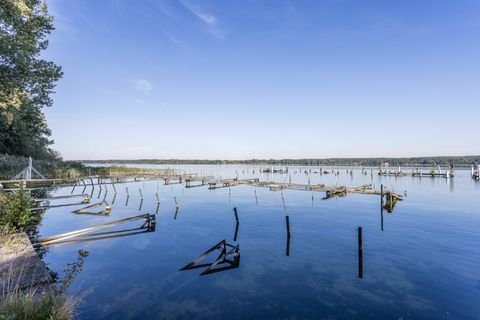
[[236, 231], [287, 252], [89, 234], [229, 258]]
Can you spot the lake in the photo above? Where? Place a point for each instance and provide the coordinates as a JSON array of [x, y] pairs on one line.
[[423, 265]]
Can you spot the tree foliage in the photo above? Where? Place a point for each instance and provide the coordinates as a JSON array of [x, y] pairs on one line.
[[26, 80], [465, 161]]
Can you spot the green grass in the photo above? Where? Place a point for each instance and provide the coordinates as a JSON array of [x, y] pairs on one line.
[[32, 306]]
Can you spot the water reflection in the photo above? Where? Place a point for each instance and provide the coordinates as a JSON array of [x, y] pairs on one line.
[[399, 278], [287, 251], [91, 234], [229, 258], [236, 231]]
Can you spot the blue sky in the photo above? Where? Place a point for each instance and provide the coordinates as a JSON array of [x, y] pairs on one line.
[[265, 79]]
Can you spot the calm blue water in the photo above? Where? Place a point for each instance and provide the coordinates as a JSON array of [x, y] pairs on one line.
[[424, 265]]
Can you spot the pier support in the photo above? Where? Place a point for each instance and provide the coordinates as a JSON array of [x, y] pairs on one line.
[[360, 253]]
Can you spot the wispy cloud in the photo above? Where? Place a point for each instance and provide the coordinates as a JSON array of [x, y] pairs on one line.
[[139, 101], [143, 85], [209, 19]]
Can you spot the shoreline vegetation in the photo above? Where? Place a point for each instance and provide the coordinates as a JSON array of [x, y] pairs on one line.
[[457, 161], [29, 290], [11, 165], [59, 169]]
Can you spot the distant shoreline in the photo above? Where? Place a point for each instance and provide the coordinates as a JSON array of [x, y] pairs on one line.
[[456, 161]]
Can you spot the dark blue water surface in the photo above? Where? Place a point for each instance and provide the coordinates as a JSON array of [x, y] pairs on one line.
[[424, 265]]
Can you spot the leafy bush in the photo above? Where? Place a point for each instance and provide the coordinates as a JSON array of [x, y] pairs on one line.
[[15, 213]]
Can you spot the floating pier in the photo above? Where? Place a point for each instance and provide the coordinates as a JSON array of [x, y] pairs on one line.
[[225, 183], [45, 203], [283, 170], [449, 173]]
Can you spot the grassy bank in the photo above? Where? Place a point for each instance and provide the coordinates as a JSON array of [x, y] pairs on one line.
[[37, 300], [30, 304]]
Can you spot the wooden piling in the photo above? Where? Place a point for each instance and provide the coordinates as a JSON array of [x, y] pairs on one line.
[[287, 220], [381, 206], [360, 253], [381, 196], [236, 214]]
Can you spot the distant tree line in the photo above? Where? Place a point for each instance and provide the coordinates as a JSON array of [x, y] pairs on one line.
[[26, 80], [365, 162]]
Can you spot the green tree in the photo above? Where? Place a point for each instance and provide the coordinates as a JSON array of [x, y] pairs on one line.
[[26, 80]]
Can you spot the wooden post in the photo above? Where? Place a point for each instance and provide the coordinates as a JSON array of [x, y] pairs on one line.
[[381, 206], [381, 196], [287, 220], [360, 253], [236, 214]]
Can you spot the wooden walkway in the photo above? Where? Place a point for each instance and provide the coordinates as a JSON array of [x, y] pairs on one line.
[[419, 174], [20, 267]]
